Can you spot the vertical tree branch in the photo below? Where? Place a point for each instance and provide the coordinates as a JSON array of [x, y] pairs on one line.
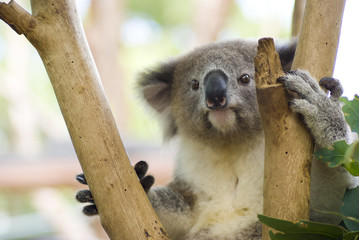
[[58, 36], [288, 144], [318, 41], [288, 160], [297, 19]]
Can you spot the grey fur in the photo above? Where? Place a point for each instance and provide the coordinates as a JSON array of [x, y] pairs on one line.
[[217, 189], [322, 115]]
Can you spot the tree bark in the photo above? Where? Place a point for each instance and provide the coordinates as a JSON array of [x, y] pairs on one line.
[[55, 30], [289, 147], [319, 37], [288, 144], [297, 19]]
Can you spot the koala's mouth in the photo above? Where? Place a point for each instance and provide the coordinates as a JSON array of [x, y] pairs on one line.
[[223, 120]]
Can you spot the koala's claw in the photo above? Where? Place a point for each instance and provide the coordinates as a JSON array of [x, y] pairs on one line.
[[85, 196], [301, 83], [333, 85], [322, 114], [146, 181], [90, 210], [141, 169], [81, 178]]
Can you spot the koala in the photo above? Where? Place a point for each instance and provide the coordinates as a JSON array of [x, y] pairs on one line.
[[207, 101]]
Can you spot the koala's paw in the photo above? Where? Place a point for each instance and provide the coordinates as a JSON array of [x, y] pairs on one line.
[[146, 180], [85, 196], [322, 114], [333, 85]]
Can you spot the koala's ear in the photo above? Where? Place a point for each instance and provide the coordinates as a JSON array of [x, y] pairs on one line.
[[286, 53], [156, 85]]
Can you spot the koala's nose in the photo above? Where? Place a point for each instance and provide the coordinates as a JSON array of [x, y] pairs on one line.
[[215, 84]]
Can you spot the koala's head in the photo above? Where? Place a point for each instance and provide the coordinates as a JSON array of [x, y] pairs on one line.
[[209, 93]]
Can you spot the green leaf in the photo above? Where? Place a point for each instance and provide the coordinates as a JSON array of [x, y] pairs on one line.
[[351, 159], [351, 236], [353, 168], [278, 224], [310, 236], [301, 227], [341, 154], [355, 154], [351, 112], [300, 236], [350, 208], [333, 157]]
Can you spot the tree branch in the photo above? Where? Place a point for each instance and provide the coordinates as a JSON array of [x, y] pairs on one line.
[[17, 17], [318, 42], [287, 162], [58, 36], [297, 18]]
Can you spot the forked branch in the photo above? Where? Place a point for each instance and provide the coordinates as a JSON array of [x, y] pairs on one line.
[[16, 17]]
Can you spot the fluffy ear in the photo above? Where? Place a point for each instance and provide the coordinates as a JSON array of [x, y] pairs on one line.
[[286, 53], [156, 85]]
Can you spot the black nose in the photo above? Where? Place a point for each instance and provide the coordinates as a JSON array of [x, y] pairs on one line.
[[215, 83]]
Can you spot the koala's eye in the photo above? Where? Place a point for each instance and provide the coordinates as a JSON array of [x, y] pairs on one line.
[[195, 85], [244, 79]]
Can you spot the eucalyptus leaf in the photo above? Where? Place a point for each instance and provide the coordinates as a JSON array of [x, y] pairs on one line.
[[355, 154], [301, 236], [333, 157], [353, 168], [350, 208], [301, 227], [351, 158], [351, 236], [351, 112]]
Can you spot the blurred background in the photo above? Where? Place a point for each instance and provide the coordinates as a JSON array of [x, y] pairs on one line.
[[37, 162]]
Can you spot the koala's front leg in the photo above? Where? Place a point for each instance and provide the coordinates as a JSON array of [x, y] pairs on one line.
[[322, 114], [324, 117], [85, 196], [174, 205]]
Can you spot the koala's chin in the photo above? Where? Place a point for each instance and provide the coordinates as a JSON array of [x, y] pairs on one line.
[[224, 120]]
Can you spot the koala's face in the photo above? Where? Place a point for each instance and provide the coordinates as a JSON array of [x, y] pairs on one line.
[[208, 94], [213, 92]]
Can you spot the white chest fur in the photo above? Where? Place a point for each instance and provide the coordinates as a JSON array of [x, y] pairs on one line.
[[228, 184]]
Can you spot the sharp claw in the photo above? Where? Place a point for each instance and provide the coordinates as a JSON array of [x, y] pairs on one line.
[[141, 169], [90, 210], [333, 85], [281, 79], [81, 178], [292, 72], [147, 182], [84, 196]]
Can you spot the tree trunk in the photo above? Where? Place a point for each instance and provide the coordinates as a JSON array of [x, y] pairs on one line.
[[288, 144], [289, 147], [55, 30], [319, 37], [297, 19]]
